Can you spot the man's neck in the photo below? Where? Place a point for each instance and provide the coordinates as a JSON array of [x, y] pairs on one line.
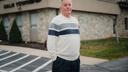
[[67, 16]]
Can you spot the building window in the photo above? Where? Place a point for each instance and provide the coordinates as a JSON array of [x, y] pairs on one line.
[[19, 21], [126, 23], [6, 22], [34, 20], [114, 24]]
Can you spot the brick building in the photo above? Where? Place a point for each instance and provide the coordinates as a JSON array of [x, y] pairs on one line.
[[98, 18]]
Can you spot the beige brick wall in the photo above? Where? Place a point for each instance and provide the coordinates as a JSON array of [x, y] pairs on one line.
[[26, 27], [45, 17], [94, 26]]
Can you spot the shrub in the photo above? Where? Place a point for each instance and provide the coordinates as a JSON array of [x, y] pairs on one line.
[[3, 34], [15, 34]]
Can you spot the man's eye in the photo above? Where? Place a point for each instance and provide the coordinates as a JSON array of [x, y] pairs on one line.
[[69, 4], [65, 5]]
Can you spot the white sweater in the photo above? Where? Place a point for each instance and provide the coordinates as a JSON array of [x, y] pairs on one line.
[[64, 38]]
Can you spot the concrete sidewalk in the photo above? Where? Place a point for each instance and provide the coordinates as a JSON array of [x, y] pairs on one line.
[[42, 53]]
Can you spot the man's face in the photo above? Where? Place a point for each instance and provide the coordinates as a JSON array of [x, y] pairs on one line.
[[66, 7]]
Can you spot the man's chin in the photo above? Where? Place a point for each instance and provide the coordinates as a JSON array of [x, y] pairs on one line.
[[68, 13]]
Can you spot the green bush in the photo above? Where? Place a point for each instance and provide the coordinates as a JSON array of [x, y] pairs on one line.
[[15, 34], [3, 34]]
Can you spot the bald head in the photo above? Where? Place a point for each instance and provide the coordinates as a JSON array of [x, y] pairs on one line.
[[66, 1], [66, 7], [63, 0]]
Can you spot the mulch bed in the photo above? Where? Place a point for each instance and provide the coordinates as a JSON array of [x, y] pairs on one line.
[[34, 45]]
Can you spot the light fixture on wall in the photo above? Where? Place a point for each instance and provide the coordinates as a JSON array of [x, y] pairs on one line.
[[19, 7]]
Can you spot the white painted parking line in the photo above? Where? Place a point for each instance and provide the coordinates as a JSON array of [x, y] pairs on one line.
[[49, 71], [25, 64], [14, 61], [42, 66], [5, 53], [9, 56]]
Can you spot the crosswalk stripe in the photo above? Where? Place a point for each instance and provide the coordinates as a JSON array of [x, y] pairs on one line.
[[9, 56], [42, 66], [14, 61], [25, 64], [5, 53]]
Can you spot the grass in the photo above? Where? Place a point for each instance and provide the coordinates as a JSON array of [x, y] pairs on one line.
[[105, 48]]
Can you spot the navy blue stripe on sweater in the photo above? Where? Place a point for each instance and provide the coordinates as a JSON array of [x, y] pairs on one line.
[[63, 32], [53, 33], [69, 31]]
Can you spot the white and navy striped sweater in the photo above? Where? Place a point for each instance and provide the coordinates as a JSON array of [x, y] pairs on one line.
[[64, 38]]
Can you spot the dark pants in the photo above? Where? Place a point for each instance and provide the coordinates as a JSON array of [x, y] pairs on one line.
[[62, 65]]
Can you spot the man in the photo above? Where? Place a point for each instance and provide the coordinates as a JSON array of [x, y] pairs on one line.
[[64, 40]]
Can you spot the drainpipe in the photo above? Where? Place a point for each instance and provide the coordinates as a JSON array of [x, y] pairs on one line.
[[117, 37], [116, 30]]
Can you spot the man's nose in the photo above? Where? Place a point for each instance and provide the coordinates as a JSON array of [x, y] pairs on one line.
[[68, 7]]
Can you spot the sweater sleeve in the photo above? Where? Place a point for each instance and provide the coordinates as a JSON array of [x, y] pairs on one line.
[[53, 33]]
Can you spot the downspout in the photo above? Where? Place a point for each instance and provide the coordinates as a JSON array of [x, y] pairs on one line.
[[116, 30]]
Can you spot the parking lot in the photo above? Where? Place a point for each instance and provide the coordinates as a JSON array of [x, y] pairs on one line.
[[20, 62]]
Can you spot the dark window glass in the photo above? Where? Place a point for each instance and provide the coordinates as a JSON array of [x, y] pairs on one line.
[[126, 23]]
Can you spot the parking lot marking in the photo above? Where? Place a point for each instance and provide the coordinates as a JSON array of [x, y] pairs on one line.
[[5, 53], [14, 61], [49, 71], [9, 56], [42, 66], [25, 64]]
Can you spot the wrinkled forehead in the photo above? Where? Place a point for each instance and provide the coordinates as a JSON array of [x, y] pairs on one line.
[[66, 1]]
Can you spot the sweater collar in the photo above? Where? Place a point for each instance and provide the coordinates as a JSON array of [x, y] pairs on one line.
[[64, 16]]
